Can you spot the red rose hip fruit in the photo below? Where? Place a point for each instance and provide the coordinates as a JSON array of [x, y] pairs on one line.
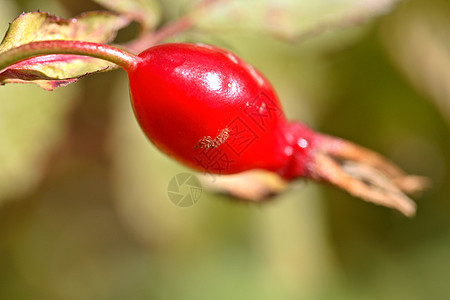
[[215, 113], [210, 110]]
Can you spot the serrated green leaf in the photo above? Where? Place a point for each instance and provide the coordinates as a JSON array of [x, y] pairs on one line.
[[51, 71], [146, 12], [289, 19]]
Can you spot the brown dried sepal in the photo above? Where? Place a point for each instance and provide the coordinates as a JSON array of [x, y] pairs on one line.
[[365, 174], [252, 185]]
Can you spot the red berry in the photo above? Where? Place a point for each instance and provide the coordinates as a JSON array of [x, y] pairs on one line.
[[213, 112]]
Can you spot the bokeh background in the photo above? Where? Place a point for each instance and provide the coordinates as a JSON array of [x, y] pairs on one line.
[[84, 212]]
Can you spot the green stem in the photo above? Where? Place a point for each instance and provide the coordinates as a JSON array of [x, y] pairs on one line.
[[123, 59]]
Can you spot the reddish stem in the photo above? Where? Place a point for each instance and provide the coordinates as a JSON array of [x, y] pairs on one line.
[[123, 59], [178, 26], [153, 38], [183, 23]]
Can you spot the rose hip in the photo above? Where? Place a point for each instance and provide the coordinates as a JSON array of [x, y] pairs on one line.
[[191, 99], [215, 113]]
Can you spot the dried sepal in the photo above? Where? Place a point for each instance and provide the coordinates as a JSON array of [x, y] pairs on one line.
[[253, 185], [365, 174]]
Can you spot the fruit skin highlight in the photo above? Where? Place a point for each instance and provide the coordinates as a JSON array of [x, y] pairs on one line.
[[211, 111]]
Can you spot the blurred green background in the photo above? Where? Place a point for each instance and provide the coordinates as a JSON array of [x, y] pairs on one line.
[[84, 212]]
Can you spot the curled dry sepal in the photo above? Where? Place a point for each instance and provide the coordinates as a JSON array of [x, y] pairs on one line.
[[51, 71], [366, 174]]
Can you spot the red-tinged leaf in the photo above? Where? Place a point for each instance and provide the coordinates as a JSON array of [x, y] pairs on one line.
[[95, 26], [51, 71], [45, 70], [48, 85]]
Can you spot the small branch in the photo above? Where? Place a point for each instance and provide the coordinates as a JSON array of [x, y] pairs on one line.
[[119, 57], [152, 38], [178, 26], [183, 23]]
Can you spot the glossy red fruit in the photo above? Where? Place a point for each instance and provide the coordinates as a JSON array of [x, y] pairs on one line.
[[213, 112]]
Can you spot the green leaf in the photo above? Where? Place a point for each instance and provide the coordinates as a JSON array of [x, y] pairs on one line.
[[146, 12], [289, 19], [51, 71]]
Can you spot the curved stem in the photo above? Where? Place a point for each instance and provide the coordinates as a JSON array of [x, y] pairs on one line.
[[180, 25], [123, 59], [183, 23]]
